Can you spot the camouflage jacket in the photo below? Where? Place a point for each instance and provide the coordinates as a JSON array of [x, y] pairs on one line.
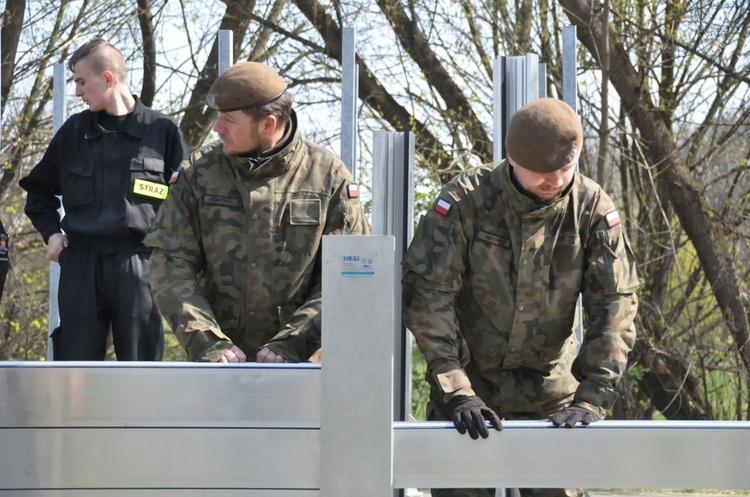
[[490, 287], [237, 248]]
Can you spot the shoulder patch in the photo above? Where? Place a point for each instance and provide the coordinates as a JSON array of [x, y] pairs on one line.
[[613, 219], [173, 178], [442, 207], [4, 240], [352, 190]]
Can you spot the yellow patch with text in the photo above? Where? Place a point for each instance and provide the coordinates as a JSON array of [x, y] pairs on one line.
[[150, 189]]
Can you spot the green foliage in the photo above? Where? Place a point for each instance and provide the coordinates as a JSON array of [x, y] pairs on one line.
[[420, 390], [636, 372]]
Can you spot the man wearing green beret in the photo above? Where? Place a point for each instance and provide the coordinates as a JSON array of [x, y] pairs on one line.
[[492, 279], [236, 263]]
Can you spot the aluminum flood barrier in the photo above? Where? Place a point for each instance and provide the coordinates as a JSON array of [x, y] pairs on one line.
[[186, 429]]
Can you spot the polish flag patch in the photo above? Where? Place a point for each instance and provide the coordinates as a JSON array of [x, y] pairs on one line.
[[442, 207], [613, 219], [173, 178], [352, 190]]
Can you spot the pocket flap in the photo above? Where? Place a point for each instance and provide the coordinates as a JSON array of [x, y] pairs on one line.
[[304, 212]]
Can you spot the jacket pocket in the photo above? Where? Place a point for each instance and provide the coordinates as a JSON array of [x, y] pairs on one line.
[[78, 185], [304, 212]]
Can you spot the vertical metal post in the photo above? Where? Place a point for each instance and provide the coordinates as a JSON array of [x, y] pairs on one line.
[[393, 214], [357, 369], [498, 116], [570, 96], [569, 67], [523, 82], [58, 118], [516, 83], [349, 94], [226, 50], [542, 71]]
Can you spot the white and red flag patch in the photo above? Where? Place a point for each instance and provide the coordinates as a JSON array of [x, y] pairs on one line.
[[613, 219], [443, 207], [352, 190], [173, 178]]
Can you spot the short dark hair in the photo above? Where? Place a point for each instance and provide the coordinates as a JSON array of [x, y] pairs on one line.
[[281, 108], [103, 57]]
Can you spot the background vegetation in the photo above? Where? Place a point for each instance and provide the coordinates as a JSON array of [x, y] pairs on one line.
[[663, 95]]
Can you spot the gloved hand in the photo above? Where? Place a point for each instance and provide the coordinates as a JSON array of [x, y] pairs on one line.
[[469, 413], [572, 415]]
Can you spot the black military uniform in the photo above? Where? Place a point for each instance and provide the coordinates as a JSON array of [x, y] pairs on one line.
[[113, 173]]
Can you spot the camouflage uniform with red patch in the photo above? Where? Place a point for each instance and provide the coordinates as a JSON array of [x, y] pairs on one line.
[[491, 280], [237, 247]]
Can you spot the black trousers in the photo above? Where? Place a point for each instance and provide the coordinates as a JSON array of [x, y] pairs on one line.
[[103, 291]]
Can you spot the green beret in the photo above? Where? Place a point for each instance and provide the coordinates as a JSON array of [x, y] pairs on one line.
[[245, 85], [544, 136]]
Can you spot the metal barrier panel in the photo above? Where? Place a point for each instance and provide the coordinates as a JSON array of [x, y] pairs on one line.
[[357, 373], [187, 429], [143, 427], [606, 454]]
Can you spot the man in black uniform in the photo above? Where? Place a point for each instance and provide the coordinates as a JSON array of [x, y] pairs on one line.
[[112, 165]]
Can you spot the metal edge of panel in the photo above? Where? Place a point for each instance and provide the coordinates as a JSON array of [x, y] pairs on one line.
[[159, 492], [607, 454], [155, 458], [96, 395]]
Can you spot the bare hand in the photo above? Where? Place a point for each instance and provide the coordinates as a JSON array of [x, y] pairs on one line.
[[234, 354], [267, 355], [55, 244]]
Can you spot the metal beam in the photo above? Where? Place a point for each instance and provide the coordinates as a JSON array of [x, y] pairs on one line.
[[349, 95], [146, 458], [58, 119], [606, 454], [226, 50], [148, 394]]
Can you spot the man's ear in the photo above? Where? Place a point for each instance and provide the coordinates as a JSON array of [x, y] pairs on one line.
[[109, 78], [269, 125]]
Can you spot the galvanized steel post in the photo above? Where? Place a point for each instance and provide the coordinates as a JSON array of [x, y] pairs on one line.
[[349, 94]]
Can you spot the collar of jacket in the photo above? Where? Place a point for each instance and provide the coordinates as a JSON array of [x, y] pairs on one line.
[[134, 125], [524, 204], [276, 161]]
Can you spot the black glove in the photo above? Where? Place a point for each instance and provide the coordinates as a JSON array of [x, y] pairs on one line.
[[572, 415], [469, 413]]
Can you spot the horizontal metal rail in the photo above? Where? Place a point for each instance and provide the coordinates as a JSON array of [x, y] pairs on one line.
[[164, 394], [606, 454]]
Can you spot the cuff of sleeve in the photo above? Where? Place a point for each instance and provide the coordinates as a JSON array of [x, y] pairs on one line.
[[207, 350], [600, 398], [590, 407], [286, 348], [49, 233], [454, 383]]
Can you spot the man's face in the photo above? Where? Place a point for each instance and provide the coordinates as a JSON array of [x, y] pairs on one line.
[[92, 88], [544, 187], [239, 133]]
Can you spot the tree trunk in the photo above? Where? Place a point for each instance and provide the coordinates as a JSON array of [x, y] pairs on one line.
[[671, 170], [196, 123], [11, 33], [377, 98], [145, 19]]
